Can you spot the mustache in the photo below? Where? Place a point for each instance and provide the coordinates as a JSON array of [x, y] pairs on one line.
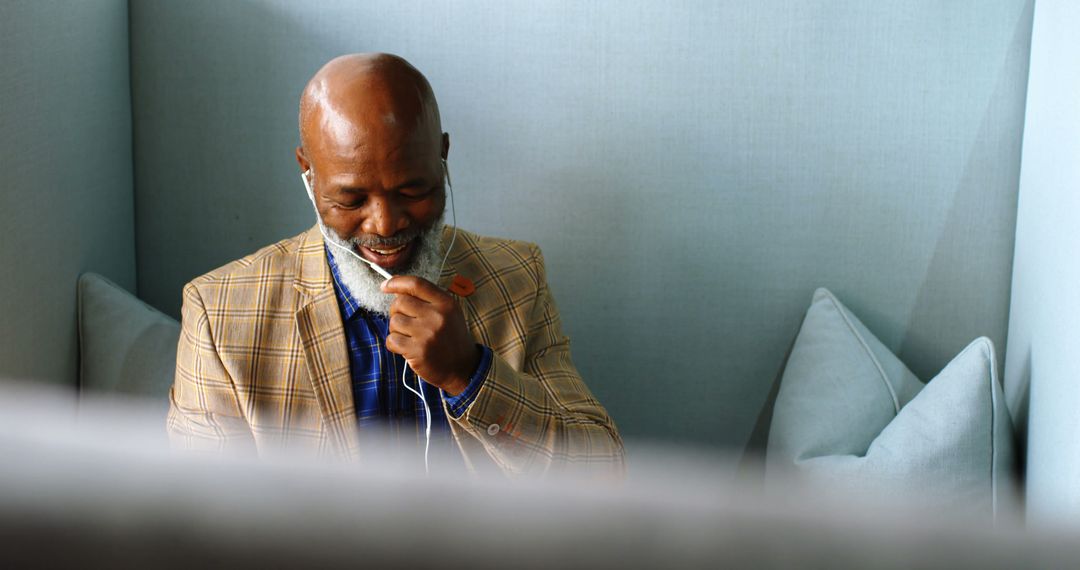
[[401, 238]]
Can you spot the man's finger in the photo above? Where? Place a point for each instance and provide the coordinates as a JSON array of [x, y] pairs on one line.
[[399, 344], [409, 306], [401, 324], [416, 287]]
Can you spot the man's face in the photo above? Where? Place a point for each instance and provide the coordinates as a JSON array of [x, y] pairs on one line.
[[380, 189]]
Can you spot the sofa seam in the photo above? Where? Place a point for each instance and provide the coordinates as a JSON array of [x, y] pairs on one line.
[[862, 342]]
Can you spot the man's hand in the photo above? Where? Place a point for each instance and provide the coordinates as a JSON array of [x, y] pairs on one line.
[[428, 328]]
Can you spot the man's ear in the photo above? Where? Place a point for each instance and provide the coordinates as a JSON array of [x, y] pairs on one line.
[[302, 160], [445, 145]]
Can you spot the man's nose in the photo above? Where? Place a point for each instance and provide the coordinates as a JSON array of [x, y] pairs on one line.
[[383, 218]]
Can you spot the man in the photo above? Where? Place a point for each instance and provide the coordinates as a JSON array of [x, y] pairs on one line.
[[302, 344]]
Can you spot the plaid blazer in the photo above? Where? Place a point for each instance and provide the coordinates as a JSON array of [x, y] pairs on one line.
[[262, 363]]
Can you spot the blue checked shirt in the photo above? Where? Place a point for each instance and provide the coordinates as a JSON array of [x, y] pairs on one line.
[[379, 397]]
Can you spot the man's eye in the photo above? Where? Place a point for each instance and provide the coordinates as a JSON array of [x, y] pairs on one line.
[[417, 195]]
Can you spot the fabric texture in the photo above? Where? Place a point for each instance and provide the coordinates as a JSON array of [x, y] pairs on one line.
[[125, 345], [263, 363], [850, 414]]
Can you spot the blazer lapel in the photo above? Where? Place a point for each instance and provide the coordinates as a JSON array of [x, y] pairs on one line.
[[456, 259], [318, 322]]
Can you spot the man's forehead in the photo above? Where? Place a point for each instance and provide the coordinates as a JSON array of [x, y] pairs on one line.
[[375, 154], [338, 136], [377, 165], [366, 107], [361, 133]]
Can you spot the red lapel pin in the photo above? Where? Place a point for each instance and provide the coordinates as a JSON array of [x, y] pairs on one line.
[[462, 286]]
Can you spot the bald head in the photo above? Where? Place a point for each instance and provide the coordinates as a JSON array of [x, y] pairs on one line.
[[367, 99]]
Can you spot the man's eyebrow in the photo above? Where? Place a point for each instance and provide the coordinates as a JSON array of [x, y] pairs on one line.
[[411, 183]]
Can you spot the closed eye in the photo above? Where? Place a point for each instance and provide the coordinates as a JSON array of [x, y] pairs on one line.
[[416, 195], [347, 205]]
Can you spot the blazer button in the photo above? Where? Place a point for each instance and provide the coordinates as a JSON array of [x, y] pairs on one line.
[[493, 429]]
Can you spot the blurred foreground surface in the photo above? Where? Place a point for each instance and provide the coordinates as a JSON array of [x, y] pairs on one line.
[[93, 484]]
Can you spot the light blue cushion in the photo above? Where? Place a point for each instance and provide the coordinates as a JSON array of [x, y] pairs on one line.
[[849, 413], [125, 345]]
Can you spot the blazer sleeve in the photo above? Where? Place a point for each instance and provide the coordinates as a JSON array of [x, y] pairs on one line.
[[542, 418], [204, 411]]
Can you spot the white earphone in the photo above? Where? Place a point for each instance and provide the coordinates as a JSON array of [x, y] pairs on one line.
[[419, 391]]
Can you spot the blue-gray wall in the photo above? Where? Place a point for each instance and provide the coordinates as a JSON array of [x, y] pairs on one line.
[[1043, 362], [692, 170], [65, 174]]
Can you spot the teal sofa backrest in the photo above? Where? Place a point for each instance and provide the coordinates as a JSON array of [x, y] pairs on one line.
[[66, 195], [692, 170]]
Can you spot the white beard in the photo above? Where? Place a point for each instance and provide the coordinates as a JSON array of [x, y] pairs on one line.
[[363, 283]]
